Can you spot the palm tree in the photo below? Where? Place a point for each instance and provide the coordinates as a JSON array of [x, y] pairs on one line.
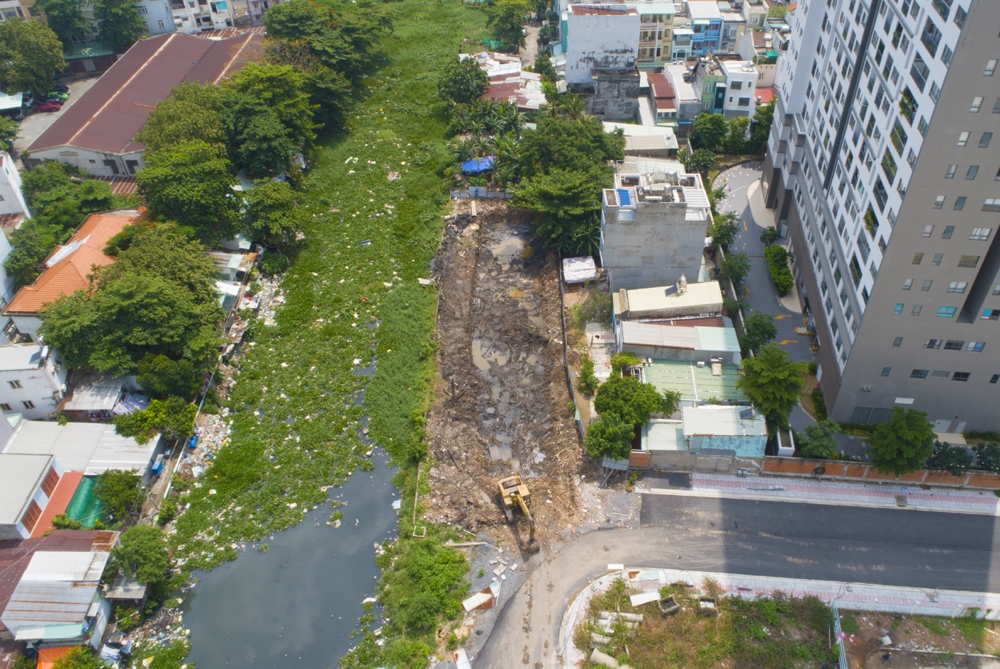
[[572, 105]]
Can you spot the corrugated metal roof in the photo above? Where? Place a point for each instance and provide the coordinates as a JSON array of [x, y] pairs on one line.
[[94, 392], [49, 603], [82, 566], [664, 336], [662, 435], [91, 448], [20, 474], [718, 339], [721, 421]]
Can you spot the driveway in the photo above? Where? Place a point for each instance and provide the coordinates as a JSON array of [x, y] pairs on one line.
[[762, 294], [34, 125], [892, 547], [530, 49]]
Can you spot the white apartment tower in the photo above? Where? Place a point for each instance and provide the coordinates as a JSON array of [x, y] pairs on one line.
[[882, 169]]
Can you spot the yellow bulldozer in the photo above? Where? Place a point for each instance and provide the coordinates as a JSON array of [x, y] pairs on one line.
[[514, 494]]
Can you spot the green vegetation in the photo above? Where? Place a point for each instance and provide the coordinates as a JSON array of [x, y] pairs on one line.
[[849, 624], [769, 236], [987, 457], [173, 417], [623, 403], [954, 459], [818, 441], [120, 492], [933, 625], [29, 55], [588, 381], [506, 17], [777, 264], [79, 658], [735, 268], [723, 230], [778, 632], [772, 383], [65, 18], [699, 160], [902, 444], [818, 403], [120, 25], [759, 330], [708, 131], [9, 129], [58, 205], [463, 82], [64, 522]]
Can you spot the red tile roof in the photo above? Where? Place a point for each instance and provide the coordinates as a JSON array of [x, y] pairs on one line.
[[60, 499], [660, 85], [765, 95], [107, 117], [69, 274]]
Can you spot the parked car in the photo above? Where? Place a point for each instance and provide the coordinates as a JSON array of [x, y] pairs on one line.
[[56, 101], [62, 88], [58, 94], [47, 107]]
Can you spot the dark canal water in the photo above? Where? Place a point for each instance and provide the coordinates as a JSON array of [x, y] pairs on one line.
[[295, 605]]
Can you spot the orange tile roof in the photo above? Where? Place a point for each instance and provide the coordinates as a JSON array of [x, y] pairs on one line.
[[70, 273], [58, 503], [47, 656]]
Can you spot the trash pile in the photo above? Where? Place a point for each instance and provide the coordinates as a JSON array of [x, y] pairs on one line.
[[208, 438]]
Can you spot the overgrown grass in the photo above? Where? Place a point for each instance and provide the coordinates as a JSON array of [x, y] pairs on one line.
[[352, 294], [932, 625], [777, 632]]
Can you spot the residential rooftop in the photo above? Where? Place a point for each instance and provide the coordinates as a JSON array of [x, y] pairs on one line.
[[697, 299], [21, 474], [694, 383], [696, 338], [90, 448], [18, 357], [602, 10]]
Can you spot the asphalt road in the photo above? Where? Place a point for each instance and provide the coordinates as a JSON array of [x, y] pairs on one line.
[[891, 547]]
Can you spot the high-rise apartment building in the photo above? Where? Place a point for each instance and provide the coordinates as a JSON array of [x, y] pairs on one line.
[[883, 169]]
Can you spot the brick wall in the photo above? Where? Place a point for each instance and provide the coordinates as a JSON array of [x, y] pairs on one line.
[[863, 472]]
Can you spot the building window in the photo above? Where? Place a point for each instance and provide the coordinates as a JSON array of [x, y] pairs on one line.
[[886, 370], [50, 482], [744, 102], [927, 286], [948, 230], [14, 384], [4, 406], [972, 173], [963, 138], [928, 230], [977, 103], [996, 106], [953, 345], [959, 203], [28, 404], [915, 311], [946, 312], [991, 67], [939, 202], [968, 261], [31, 516], [995, 378], [991, 314], [918, 374], [897, 342], [984, 141], [918, 258], [957, 286], [907, 284], [960, 376], [898, 309], [950, 172], [940, 374], [980, 234], [991, 204], [142, 10], [933, 344], [937, 259], [975, 346]]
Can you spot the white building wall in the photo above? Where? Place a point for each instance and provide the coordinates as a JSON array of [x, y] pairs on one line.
[[42, 387], [159, 19], [93, 162], [11, 199], [741, 86], [195, 16], [39, 497], [599, 41]]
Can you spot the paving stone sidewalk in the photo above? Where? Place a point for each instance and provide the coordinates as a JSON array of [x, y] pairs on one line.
[[806, 491]]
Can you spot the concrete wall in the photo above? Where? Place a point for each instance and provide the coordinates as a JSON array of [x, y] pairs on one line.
[[43, 387], [607, 42], [747, 81], [655, 249], [615, 95], [94, 162], [11, 199], [157, 15]]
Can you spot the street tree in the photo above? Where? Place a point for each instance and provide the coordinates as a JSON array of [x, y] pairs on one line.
[[190, 183], [463, 81], [759, 329], [769, 236], [736, 135], [904, 443], [65, 18], [120, 25], [954, 459], [628, 398], [120, 492], [772, 383], [30, 53], [566, 208], [735, 268], [699, 160], [191, 113], [507, 17], [270, 213], [708, 131], [818, 441], [609, 437], [724, 230]]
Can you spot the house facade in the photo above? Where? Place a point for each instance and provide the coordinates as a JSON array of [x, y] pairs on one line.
[[11, 200], [598, 37], [27, 482], [32, 380], [728, 87]]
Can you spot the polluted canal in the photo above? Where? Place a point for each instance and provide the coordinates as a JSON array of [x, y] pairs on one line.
[[296, 603]]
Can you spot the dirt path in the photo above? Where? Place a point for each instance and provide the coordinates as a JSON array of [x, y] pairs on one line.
[[499, 345]]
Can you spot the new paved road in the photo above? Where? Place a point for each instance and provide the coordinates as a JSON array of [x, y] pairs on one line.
[[892, 547]]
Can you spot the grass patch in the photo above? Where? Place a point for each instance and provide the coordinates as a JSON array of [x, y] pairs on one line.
[[778, 632], [932, 625], [849, 624], [972, 628], [296, 421]]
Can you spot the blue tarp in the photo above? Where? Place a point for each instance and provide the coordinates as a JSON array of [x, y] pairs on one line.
[[478, 166]]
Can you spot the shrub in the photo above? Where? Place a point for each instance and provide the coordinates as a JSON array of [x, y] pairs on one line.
[[64, 522], [819, 404], [987, 457], [168, 511], [588, 380], [777, 263]]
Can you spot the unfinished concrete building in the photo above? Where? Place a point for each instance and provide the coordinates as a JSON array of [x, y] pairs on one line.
[[653, 224]]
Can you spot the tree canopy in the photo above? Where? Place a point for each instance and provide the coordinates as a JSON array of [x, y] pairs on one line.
[[142, 554], [902, 444], [567, 209], [172, 417], [79, 658], [609, 437], [954, 459], [507, 17], [270, 213], [190, 183], [772, 383], [262, 90], [9, 129], [708, 131], [120, 25], [120, 493], [30, 53], [628, 398], [463, 81], [818, 441], [65, 18], [190, 113], [759, 329]]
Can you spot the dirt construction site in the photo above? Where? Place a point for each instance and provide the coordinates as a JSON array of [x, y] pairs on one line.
[[502, 405]]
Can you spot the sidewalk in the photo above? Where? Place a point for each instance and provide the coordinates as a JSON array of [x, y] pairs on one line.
[[836, 493], [848, 596]]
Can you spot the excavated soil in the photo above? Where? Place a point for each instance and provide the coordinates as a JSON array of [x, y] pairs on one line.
[[500, 351]]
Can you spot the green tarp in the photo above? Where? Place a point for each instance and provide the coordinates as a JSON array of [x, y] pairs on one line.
[[85, 507]]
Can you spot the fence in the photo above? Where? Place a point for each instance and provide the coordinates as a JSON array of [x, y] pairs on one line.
[[842, 660], [859, 471], [687, 461], [480, 192]]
